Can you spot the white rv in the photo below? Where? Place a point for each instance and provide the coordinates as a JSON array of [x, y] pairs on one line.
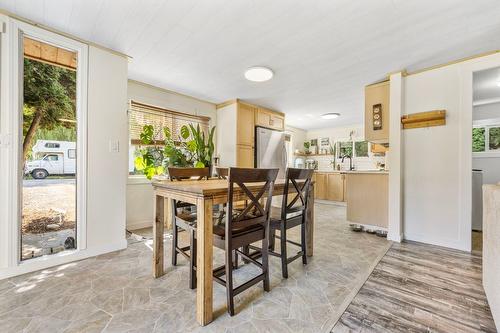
[[52, 158]]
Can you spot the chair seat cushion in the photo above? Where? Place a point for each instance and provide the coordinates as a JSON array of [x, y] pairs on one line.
[[220, 230]]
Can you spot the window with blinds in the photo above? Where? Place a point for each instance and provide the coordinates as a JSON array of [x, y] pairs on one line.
[[142, 114]]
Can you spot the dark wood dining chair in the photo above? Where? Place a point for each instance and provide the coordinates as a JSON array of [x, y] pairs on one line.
[[222, 173], [184, 219], [245, 227], [293, 213]]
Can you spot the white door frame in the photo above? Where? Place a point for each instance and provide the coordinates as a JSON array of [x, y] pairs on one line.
[[17, 30], [465, 143]]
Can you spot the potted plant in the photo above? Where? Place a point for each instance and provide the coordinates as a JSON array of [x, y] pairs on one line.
[[307, 145], [192, 149]]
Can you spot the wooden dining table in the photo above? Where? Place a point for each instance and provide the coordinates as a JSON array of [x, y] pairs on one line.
[[205, 194]]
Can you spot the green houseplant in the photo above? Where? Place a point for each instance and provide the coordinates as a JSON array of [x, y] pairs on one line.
[[307, 145], [192, 149]]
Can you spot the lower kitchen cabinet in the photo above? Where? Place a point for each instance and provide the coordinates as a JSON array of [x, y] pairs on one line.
[[320, 186], [335, 187], [329, 186]]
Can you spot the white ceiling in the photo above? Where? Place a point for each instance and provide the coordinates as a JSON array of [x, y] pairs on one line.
[[486, 86], [322, 52]]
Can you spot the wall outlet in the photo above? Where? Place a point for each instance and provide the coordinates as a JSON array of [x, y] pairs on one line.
[[114, 146]]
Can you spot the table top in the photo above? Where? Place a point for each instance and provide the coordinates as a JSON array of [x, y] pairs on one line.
[[207, 187]]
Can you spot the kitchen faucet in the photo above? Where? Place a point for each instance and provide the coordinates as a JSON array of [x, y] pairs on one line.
[[351, 167]]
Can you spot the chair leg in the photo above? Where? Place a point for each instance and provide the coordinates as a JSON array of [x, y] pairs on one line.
[[235, 259], [175, 232], [192, 260], [246, 250], [229, 282], [265, 263], [284, 255], [303, 243], [272, 240]]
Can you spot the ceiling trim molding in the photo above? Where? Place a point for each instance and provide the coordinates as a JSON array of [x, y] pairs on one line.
[[453, 62], [147, 85], [78, 39]]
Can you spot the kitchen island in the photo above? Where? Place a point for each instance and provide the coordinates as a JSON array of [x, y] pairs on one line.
[[368, 198], [364, 191]]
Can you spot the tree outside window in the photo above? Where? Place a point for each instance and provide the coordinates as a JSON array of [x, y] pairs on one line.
[[478, 139], [345, 148], [361, 148], [486, 139], [494, 138]]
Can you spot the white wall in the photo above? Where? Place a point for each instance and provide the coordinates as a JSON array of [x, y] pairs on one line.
[[437, 161], [486, 111], [139, 191], [431, 160], [107, 171], [226, 138], [297, 136]]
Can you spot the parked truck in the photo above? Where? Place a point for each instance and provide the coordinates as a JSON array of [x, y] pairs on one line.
[[52, 158]]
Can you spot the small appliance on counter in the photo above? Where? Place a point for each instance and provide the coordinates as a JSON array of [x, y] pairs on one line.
[[299, 163], [311, 164]]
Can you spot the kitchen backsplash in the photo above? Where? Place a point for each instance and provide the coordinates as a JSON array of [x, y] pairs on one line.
[[360, 163]]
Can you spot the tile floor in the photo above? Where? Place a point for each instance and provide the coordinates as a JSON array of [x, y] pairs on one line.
[[116, 292]]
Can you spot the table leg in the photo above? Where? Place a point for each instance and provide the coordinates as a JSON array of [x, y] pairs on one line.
[[310, 223], [158, 228], [169, 207], [204, 292]]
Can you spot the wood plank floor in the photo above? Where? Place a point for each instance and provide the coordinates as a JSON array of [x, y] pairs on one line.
[[421, 288]]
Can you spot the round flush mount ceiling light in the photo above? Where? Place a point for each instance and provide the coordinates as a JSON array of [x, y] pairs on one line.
[[331, 115], [259, 74]]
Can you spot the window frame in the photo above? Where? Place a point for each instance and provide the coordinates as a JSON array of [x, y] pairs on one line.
[[486, 124], [135, 105], [17, 30]]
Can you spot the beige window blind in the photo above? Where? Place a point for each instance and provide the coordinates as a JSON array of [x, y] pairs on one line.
[[141, 114]]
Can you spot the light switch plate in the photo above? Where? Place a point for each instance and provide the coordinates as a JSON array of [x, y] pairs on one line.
[[114, 146]]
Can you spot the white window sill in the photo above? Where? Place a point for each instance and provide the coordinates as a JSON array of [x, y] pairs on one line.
[[486, 155], [137, 180]]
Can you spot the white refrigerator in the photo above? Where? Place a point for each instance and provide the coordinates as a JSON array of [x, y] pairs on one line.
[[271, 150]]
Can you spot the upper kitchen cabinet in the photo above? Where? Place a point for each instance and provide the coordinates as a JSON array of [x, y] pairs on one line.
[[245, 124], [270, 119], [236, 121], [377, 112]]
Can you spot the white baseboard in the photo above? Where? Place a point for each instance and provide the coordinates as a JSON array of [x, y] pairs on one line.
[[134, 225], [395, 237], [449, 243], [60, 258]]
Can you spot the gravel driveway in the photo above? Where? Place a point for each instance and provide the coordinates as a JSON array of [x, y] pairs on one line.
[[49, 214]]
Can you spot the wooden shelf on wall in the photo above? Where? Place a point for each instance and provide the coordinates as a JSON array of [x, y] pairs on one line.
[[306, 155], [424, 119]]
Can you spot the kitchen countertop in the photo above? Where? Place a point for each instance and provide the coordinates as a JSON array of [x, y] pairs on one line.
[[378, 172]]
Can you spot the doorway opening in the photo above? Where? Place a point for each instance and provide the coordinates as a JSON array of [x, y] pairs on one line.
[[49, 149], [485, 143]]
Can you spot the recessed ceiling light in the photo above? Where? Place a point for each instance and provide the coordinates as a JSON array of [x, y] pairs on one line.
[[259, 74], [331, 115]]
